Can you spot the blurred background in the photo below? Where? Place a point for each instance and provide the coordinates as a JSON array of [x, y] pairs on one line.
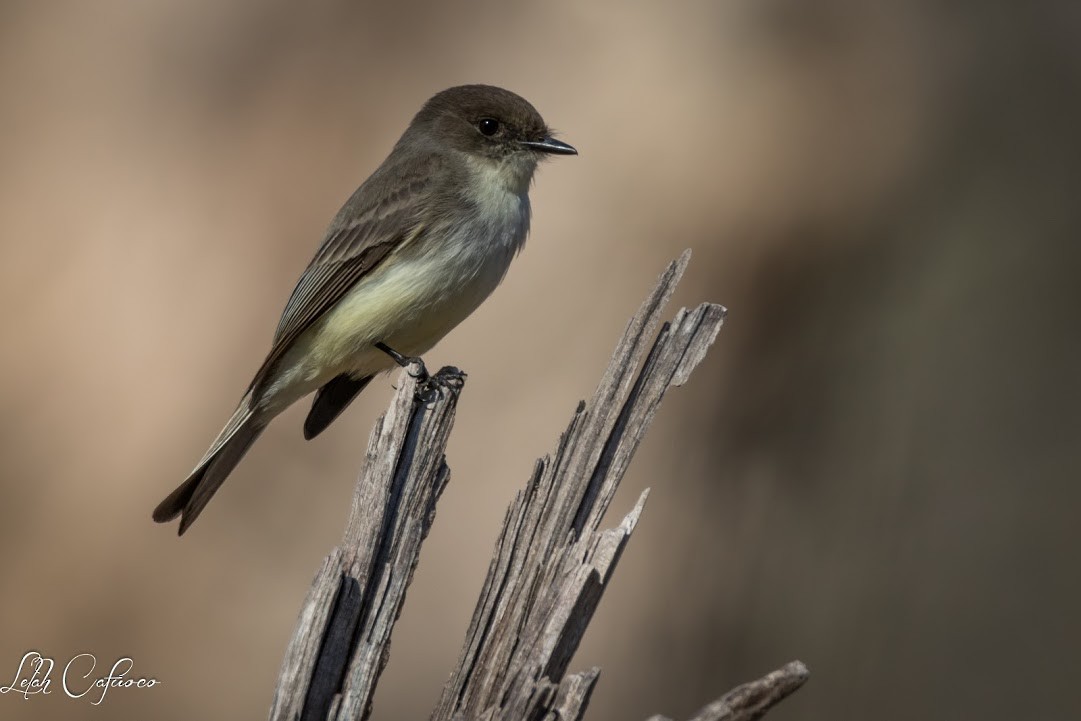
[[876, 470]]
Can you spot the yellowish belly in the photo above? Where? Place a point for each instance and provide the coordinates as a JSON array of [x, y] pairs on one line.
[[409, 305], [417, 295]]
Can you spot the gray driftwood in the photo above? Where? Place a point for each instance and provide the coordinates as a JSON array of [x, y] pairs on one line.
[[551, 563], [342, 638]]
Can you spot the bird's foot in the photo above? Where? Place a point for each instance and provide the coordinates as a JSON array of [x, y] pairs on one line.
[[405, 361]]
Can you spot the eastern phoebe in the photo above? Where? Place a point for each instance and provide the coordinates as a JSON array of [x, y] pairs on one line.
[[413, 252]]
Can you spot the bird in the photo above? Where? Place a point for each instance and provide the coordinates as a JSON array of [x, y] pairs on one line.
[[413, 252]]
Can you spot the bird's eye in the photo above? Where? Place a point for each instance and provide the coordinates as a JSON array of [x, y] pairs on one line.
[[488, 126]]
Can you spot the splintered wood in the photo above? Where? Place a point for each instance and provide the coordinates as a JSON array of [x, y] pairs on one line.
[[552, 561]]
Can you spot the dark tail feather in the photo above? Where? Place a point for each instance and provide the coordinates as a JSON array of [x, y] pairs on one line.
[[191, 496], [330, 401]]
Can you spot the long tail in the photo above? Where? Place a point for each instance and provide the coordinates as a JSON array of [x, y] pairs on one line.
[[191, 496]]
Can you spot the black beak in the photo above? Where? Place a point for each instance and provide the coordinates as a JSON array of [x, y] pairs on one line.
[[550, 145]]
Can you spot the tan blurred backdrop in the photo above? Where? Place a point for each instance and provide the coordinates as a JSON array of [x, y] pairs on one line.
[[875, 471]]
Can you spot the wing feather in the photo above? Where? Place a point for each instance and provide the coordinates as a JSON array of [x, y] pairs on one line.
[[382, 216]]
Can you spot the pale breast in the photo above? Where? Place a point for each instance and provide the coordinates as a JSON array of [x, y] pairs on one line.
[[414, 298]]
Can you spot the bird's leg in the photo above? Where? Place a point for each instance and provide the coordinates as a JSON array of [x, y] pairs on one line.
[[405, 361]]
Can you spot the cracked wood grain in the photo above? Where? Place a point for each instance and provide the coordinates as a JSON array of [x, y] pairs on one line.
[[551, 563]]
